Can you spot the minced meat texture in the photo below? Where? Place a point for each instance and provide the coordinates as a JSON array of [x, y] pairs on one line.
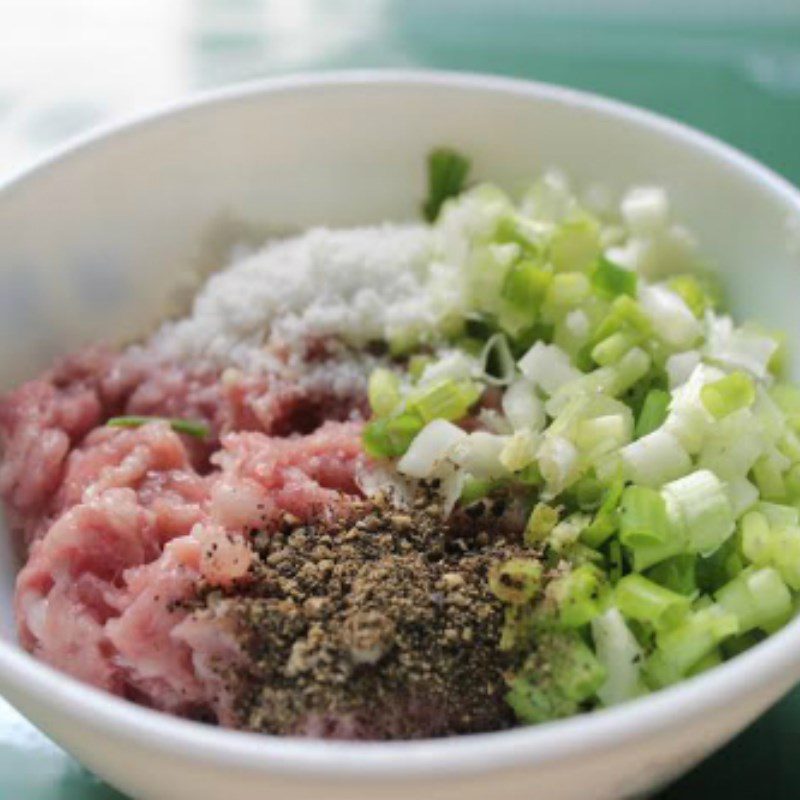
[[382, 629], [169, 571]]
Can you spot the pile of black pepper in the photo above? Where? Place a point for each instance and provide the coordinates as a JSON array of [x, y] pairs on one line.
[[382, 628]]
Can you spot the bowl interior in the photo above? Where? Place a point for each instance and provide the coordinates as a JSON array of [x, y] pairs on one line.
[[102, 243]]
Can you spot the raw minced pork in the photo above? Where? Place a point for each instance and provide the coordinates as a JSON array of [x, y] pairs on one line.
[[118, 527], [123, 523]]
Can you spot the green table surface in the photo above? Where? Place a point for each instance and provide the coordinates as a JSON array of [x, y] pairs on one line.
[[729, 67]]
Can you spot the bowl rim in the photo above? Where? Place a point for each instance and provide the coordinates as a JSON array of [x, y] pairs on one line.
[[595, 733]]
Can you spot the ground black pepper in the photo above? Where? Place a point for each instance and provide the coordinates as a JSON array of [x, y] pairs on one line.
[[382, 627]]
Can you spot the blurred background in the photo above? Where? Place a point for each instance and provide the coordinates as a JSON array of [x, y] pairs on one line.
[[729, 67]]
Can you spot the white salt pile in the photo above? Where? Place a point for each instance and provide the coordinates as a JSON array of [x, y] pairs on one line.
[[357, 284]]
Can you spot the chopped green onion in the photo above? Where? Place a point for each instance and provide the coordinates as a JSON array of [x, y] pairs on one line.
[[615, 560], [522, 407], [558, 463], [673, 322], [757, 538], [383, 392], [479, 326], [707, 662], [620, 654], [655, 459], [403, 343], [643, 518], [576, 596], [776, 340], [519, 624], [610, 280], [199, 430], [789, 446], [602, 434], [532, 704], [548, 366], [728, 394], [703, 505], [447, 172], [519, 230], [610, 350], [653, 413], [678, 573], [739, 348], [778, 364], [525, 286], [562, 674], [736, 645], [757, 598], [401, 431], [445, 399], [642, 599], [541, 522], [768, 478], [417, 364], [455, 366], [787, 399], [391, 437], [575, 244], [496, 362], [576, 669], [625, 315], [565, 537], [769, 415], [529, 476], [792, 483], [741, 493], [778, 515], [692, 293], [776, 545], [786, 555], [520, 450], [565, 291], [732, 447], [647, 555], [680, 648], [661, 459], [632, 367], [606, 520], [717, 569], [589, 493], [475, 489], [516, 581]]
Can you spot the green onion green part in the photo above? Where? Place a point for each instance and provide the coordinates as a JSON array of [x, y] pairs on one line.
[[728, 394], [516, 581], [383, 392], [446, 399], [447, 173], [610, 280], [653, 413], [578, 370], [199, 430], [643, 518], [641, 599]]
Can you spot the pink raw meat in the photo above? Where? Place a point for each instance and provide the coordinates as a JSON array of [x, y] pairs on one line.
[[47, 417], [262, 477], [133, 527]]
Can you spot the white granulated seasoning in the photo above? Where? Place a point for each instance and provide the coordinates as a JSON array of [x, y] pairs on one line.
[[357, 284]]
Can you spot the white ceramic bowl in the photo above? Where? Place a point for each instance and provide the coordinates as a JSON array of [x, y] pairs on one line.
[[94, 240]]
